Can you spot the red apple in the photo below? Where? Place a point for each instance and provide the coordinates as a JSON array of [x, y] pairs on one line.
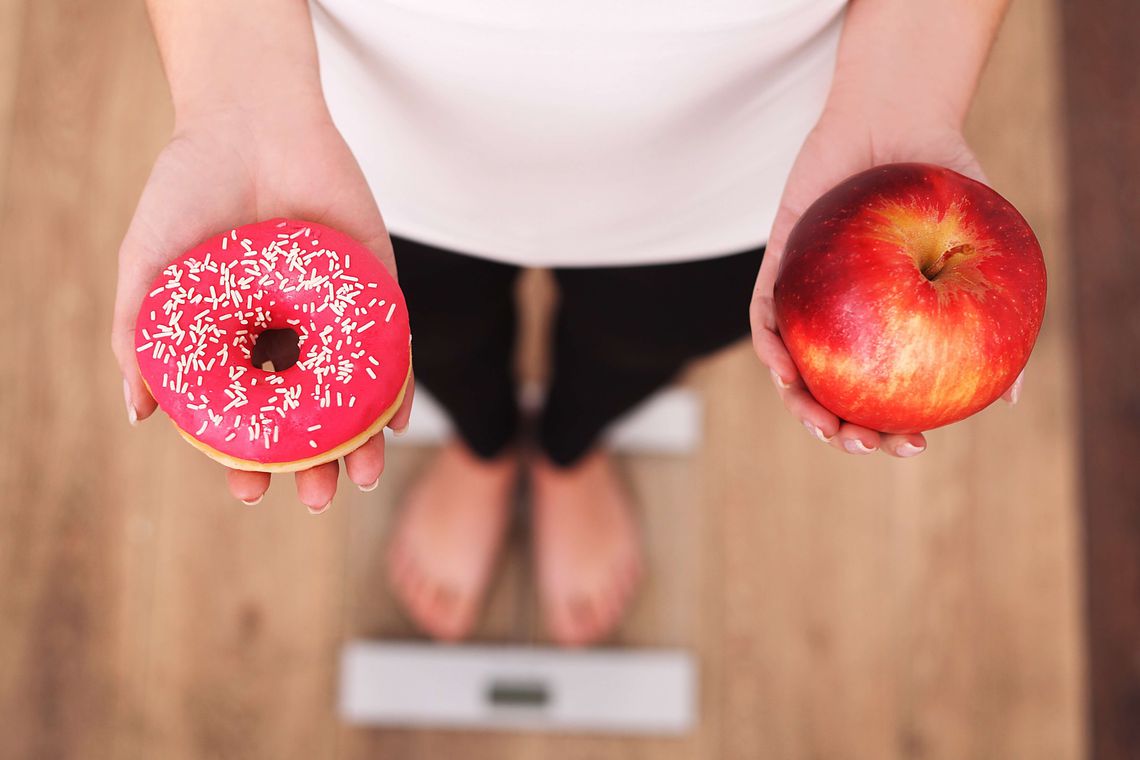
[[910, 297]]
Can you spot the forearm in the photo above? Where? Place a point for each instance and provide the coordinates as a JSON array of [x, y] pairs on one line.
[[248, 54], [910, 61]]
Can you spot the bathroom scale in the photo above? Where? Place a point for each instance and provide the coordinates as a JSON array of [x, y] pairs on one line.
[[612, 691]]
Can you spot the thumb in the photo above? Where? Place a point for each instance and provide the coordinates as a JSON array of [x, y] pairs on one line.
[[131, 288]]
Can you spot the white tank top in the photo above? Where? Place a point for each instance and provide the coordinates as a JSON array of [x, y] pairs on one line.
[[578, 133]]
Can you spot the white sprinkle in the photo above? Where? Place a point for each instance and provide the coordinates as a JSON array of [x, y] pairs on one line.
[[144, 347], [391, 309], [366, 325], [371, 374], [202, 429], [313, 443], [351, 401], [314, 427]]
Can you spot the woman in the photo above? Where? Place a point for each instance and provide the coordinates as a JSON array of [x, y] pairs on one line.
[[648, 152]]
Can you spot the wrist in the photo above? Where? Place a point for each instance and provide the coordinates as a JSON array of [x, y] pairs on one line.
[[912, 63], [892, 107], [223, 57], [885, 118], [261, 111], [259, 98]]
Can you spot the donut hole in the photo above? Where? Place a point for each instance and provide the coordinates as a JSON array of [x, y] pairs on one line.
[[276, 350]]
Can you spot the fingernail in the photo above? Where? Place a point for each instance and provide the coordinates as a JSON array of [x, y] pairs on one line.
[[908, 449], [855, 446], [779, 381], [132, 415], [319, 510], [400, 432], [811, 428], [254, 502], [371, 486], [1015, 391]]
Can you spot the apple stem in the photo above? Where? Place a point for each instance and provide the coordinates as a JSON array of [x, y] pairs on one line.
[[933, 269]]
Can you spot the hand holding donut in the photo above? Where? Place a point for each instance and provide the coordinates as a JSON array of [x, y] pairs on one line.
[[225, 170]]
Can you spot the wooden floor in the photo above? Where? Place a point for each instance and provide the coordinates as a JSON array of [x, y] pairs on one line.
[[839, 607]]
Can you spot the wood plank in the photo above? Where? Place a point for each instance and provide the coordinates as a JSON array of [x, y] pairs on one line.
[[1102, 86], [11, 51], [73, 552]]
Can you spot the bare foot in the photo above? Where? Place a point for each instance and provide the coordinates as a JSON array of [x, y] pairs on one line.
[[449, 535], [587, 550]]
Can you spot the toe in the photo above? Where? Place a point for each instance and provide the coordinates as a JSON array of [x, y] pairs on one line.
[[559, 622], [451, 613], [435, 611], [579, 621], [610, 602]]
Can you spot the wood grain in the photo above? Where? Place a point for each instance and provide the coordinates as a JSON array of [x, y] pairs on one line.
[[1102, 85], [839, 608]]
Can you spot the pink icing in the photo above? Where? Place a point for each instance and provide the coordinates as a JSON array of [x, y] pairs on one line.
[[197, 327]]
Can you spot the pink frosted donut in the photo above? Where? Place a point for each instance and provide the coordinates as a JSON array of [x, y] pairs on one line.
[[198, 325]]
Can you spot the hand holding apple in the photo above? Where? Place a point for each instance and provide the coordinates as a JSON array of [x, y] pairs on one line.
[[910, 297], [841, 146]]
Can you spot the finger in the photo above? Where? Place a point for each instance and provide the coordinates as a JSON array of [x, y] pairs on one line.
[[247, 487], [767, 344], [856, 439], [366, 463], [1013, 393], [819, 422], [772, 352], [129, 293], [316, 486], [903, 445], [403, 415]]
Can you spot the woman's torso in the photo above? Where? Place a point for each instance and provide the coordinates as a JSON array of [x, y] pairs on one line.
[[583, 133]]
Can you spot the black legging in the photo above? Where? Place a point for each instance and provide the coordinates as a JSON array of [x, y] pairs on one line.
[[621, 333]]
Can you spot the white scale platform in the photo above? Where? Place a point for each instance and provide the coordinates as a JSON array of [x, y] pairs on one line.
[[625, 691], [520, 688], [668, 422]]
